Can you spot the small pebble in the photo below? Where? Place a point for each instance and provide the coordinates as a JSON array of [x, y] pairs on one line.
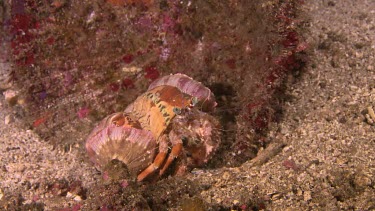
[[8, 119], [307, 196], [226, 175], [69, 194], [370, 68], [77, 198], [369, 119], [370, 116], [362, 181], [219, 200], [132, 69]]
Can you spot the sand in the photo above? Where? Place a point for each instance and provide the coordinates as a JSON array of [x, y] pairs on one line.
[[322, 154]]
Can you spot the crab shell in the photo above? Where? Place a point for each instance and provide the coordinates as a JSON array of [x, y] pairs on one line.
[[187, 85], [156, 108], [128, 143]]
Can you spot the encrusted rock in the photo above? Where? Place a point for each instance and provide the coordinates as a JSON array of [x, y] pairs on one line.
[[11, 96]]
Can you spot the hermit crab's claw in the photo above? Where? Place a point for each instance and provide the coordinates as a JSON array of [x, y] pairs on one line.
[[207, 129]]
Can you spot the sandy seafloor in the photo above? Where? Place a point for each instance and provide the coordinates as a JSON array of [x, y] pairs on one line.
[[328, 162]]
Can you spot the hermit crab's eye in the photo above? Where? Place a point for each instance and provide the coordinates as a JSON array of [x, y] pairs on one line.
[[194, 102], [127, 119], [184, 140], [177, 110], [191, 142], [194, 142]]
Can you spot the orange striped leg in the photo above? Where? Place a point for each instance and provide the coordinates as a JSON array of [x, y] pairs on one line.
[[176, 150], [158, 161], [153, 167]]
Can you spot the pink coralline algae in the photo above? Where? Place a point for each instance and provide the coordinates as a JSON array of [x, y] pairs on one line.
[[290, 164], [124, 184], [127, 83], [231, 63], [291, 39], [74, 208], [168, 23], [302, 46], [144, 24], [35, 198], [50, 40], [128, 58], [114, 87], [21, 25], [68, 79], [83, 112], [105, 176], [151, 73], [165, 53], [105, 208]]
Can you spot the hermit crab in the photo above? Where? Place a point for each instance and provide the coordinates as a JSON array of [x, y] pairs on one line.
[[169, 116]]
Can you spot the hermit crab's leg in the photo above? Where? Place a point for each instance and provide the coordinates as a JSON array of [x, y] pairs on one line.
[[158, 161], [175, 152]]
